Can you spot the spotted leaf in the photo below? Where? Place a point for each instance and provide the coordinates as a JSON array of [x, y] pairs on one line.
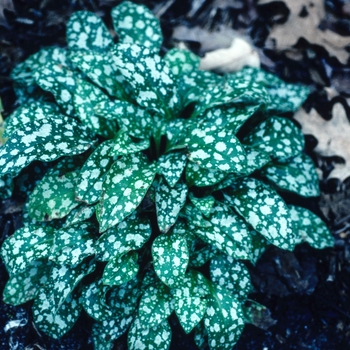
[[86, 31], [310, 228], [181, 61], [123, 145], [25, 284], [190, 303], [90, 178], [201, 177], [6, 186], [125, 185], [60, 81], [231, 275], [44, 140], [136, 122], [224, 319], [279, 137], [85, 97], [170, 258], [137, 24], [94, 301], [143, 336], [57, 307], [259, 245], [54, 196], [230, 117], [27, 113], [26, 245], [169, 202], [150, 77], [156, 305], [297, 175], [121, 269], [73, 244], [234, 231], [204, 204], [102, 71], [122, 301], [256, 159], [80, 214], [171, 166], [264, 210], [215, 150], [203, 255], [131, 234], [232, 90]]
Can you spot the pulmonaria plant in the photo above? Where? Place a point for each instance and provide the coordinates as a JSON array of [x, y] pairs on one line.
[[155, 182]]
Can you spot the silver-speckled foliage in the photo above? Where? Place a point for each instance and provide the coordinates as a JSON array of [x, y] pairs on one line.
[[146, 169]]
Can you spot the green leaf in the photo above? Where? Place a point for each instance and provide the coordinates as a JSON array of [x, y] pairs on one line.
[[25, 246], [224, 319], [231, 117], [44, 140], [135, 121], [102, 71], [189, 302], [256, 159], [297, 175], [85, 97], [204, 204], [234, 237], [231, 275], [56, 308], [287, 97], [171, 166], [201, 177], [310, 228], [90, 179], [131, 234], [264, 210], [215, 149], [136, 24], [25, 284], [170, 258], [156, 305], [201, 336], [94, 302], [121, 269], [259, 245], [125, 185], [169, 202], [73, 244], [232, 90], [54, 196], [122, 301], [181, 61], [60, 81], [79, 214], [279, 137], [142, 336], [27, 113], [203, 255], [86, 31], [150, 77], [123, 145]]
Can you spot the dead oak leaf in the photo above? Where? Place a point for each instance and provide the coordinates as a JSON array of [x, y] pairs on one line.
[[303, 22], [332, 136]]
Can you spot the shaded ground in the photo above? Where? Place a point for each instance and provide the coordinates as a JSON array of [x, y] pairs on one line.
[[307, 291]]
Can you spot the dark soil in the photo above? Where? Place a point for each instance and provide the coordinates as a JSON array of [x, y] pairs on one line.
[[307, 291]]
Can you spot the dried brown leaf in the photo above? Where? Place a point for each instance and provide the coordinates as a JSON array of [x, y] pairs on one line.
[[283, 36], [332, 136]]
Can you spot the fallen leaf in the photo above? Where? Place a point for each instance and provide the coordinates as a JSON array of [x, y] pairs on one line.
[[303, 22], [224, 51], [5, 5], [234, 58], [332, 136]]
